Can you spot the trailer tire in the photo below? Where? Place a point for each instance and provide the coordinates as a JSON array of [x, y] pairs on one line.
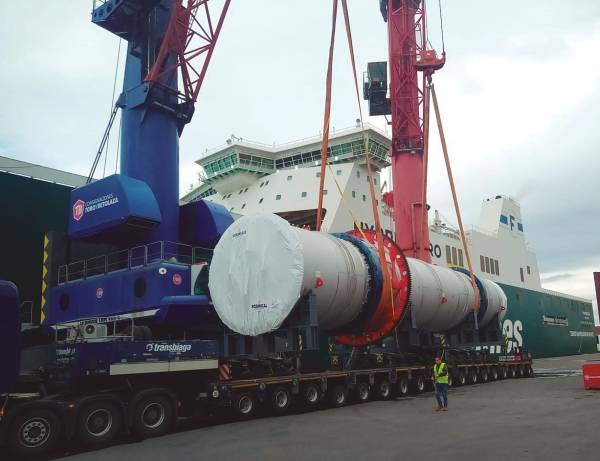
[[311, 395], [281, 399], [494, 374], [384, 389], [462, 378], [528, 371], [504, 373], [485, 376], [450, 380], [474, 378], [153, 416], [98, 423], [403, 386], [513, 371], [419, 384], [520, 371], [362, 392], [244, 405], [34, 432], [338, 395]]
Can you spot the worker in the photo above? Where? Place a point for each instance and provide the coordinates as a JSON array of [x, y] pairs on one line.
[[440, 380]]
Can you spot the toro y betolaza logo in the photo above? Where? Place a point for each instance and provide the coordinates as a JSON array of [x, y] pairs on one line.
[[80, 207], [158, 347]]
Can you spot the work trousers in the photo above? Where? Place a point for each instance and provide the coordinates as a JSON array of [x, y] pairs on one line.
[[441, 395]]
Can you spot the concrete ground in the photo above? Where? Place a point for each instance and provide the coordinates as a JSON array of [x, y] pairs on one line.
[[550, 417]]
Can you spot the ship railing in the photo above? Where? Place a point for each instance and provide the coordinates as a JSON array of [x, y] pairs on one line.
[[131, 258]]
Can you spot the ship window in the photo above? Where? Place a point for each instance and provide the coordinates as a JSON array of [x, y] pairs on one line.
[[358, 174], [497, 267], [522, 277], [245, 190], [448, 255], [338, 172], [278, 197], [324, 191], [289, 178], [243, 206], [454, 259], [261, 200], [262, 184], [303, 194], [528, 270], [482, 261], [241, 190], [487, 264], [231, 209], [364, 198], [460, 258], [318, 174], [375, 181], [492, 266], [266, 182], [353, 194]]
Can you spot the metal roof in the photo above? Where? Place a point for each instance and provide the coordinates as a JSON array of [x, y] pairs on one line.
[[31, 170]]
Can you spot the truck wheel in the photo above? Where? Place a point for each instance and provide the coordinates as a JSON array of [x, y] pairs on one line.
[[504, 373], [244, 405], [338, 395], [152, 417], [494, 374], [528, 371], [311, 394], [362, 392], [34, 432], [403, 387], [384, 389], [98, 424], [281, 399], [474, 377], [462, 378], [419, 384], [513, 372], [450, 380], [485, 377], [520, 371]]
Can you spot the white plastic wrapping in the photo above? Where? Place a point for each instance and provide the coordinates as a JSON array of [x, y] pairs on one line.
[[256, 274]]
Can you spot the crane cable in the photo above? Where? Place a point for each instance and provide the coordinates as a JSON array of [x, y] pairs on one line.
[[112, 105], [438, 117], [378, 231], [326, 117]]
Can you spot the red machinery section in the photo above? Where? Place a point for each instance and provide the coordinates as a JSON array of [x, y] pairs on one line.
[[408, 55], [394, 295]]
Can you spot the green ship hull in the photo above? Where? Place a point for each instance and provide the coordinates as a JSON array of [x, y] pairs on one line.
[[547, 324]]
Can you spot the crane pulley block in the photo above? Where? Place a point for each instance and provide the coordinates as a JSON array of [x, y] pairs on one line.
[[375, 87]]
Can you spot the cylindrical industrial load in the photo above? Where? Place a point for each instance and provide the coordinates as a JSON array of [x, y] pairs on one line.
[[262, 266], [440, 298], [493, 301]]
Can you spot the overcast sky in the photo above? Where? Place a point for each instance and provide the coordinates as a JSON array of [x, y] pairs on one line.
[[519, 97]]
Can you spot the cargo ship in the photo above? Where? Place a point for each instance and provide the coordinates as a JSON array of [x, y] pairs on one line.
[[248, 177]]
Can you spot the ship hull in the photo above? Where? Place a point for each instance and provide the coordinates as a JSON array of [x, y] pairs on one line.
[[547, 324]]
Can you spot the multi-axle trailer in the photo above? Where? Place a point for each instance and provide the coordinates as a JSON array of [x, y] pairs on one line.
[[91, 392]]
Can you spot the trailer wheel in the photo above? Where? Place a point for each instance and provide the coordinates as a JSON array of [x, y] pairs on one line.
[[419, 384], [311, 394], [244, 405], [462, 378], [528, 371], [504, 373], [494, 374], [403, 387], [513, 371], [153, 416], [485, 377], [34, 432], [281, 399], [384, 389], [98, 423], [362, 392], [338, 395], [474, 377], [450, 380], [520, 371]]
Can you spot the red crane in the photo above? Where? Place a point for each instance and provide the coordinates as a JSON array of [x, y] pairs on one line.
[[409, 109]]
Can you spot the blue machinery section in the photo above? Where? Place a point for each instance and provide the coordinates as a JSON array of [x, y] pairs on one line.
[[141, 204]]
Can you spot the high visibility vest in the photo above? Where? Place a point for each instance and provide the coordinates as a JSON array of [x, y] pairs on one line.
[[439, 368]]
